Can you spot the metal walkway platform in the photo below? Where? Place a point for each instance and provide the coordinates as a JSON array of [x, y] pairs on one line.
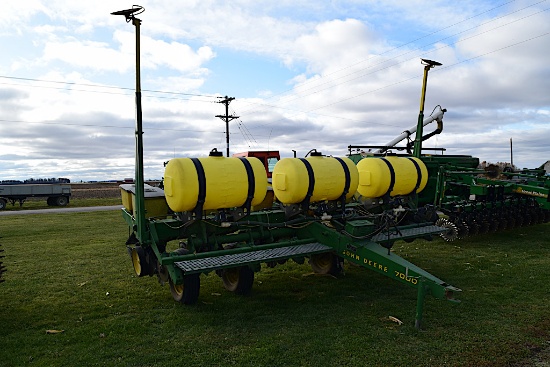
[[245, 258], [394, 234]]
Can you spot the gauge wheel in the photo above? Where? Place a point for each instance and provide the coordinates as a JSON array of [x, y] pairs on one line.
[[238, 280], [139, 261], [325, 263], [188, 292]]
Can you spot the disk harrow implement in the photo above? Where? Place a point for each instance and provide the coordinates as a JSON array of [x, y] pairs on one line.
[[474, 204]]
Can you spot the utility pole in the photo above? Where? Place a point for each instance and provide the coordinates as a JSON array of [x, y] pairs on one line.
[[227, 117], [511, 154]]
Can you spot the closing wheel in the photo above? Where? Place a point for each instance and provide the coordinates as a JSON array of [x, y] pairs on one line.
[[326, 263], [462, 229], [238, 280], [188, 292], [451, 231]]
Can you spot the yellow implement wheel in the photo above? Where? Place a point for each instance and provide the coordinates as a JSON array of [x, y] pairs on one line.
[[188, 292], [138, 260], [326, 263], [238, 280]]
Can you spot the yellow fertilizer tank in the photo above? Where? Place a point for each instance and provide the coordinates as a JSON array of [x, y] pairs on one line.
[[214, 182], [324, 178], [396, 175]]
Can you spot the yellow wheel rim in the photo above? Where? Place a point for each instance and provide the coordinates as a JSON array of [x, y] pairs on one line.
[[231, 278], [178, 288], [321, 263], [136, 262]]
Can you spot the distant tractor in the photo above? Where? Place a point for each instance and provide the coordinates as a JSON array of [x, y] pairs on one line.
[[269, 158]]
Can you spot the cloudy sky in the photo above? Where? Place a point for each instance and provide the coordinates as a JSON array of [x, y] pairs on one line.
[[304, 74]]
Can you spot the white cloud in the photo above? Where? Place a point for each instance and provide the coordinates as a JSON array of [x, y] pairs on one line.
[[334, 45], [87, 54], [175, 55], [347, 82]]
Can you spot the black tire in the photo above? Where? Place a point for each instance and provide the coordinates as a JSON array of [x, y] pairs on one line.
[[325, 263], [142, 267], [188, 292], [3, 204], [238, 280], [61, 201]]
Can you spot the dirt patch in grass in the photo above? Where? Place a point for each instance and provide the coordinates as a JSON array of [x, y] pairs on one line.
[[539, 358], [103, 193], [95, 190], [98, 190]]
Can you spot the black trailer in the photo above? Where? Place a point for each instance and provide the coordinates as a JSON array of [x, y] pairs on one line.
[[56, 194]]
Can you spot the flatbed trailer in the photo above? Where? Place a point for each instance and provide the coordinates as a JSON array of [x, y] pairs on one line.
[[56, 194]]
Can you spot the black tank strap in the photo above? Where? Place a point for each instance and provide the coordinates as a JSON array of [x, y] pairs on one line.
[[347, 183], [418, 174], [392, 176], [251, 184], [311, 183], [202, 188]]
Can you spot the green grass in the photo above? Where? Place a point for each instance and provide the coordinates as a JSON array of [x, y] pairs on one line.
[[40, 203], [71, 272]]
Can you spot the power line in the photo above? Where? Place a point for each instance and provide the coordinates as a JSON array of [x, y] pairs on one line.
[[98, 86], [247, 135], [63, 123]]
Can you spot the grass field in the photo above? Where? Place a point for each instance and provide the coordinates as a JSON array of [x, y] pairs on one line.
[[71, 273], [39, 203]]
